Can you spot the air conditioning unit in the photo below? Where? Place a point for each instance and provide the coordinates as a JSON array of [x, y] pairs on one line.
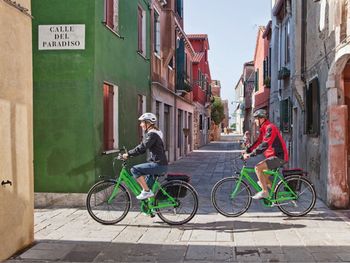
[[162, 2]]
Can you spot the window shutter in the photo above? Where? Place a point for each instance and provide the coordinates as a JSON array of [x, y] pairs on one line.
[[156, 33], [108, 116], [315, 106], [116, 15], [110, 11], [284, 121], [179, 7], [180, 64], [256, 80], [139, 28]]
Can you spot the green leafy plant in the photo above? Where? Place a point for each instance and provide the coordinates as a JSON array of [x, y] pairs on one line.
[[217, 110], [283, 73], [267, 82]]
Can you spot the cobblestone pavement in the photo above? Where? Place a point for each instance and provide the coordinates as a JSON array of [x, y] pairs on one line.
[[260, 235]]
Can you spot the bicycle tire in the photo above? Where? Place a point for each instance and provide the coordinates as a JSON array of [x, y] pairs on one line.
[[220, 199], [295, 181], [98, 210], [180, 190]]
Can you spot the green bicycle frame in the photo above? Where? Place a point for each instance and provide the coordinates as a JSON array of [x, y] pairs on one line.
[[147, 205], [283, 196]]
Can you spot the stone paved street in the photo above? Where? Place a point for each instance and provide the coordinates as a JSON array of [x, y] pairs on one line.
[[260, 235]]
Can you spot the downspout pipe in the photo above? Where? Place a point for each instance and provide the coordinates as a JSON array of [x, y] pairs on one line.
[[303, 39]]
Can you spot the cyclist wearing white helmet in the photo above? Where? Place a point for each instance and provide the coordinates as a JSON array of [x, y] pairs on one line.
[[271, 143], [158, 163]]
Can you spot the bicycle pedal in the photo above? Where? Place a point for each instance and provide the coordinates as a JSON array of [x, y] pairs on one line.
[[152, 215]]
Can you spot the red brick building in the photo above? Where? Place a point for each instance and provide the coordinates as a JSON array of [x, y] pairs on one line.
[[201, 88]]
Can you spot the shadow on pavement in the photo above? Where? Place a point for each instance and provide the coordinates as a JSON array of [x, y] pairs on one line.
[[232, 226], [73, 251]]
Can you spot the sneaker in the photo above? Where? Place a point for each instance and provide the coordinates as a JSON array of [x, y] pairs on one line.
[[144, 195], [268, 186], [260, 195]]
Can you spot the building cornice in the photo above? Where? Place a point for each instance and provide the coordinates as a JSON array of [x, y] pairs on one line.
[[278, 7], [183, 34]]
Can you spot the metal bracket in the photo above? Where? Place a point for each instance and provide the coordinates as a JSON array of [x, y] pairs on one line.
[[7, 182]]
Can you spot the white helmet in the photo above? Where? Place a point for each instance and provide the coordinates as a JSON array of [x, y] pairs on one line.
[[149, 117]]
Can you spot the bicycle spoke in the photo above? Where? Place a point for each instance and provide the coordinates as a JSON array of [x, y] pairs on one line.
[[223, 200], [304, 201], [186, 199], [99, 208]]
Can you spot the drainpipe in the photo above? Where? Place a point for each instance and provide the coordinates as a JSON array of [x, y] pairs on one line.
[[303, 38], [279, 62], [175, 126]]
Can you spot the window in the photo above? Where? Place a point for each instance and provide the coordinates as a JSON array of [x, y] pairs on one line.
[[171, 63], [179, 7], [166, 131], [256, 80], [312, 107], [157, 112], [287, 42], [179, 128], [110, 117], [200, 122], [141, 27], [323, 14], [141, 108], [156, 27], [112, 14], [285, 115]]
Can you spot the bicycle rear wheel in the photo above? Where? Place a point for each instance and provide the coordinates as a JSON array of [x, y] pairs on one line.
[[186, 198], [302, 203], [98, 206], [227, 205]]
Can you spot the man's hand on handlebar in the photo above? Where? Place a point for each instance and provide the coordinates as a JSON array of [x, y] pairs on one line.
[[246, 156], [125, 156]]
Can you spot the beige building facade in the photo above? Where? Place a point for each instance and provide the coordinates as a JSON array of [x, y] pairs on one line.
[[310, 42], [16, 129]]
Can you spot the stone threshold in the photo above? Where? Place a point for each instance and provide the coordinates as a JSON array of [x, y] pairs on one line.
[[44, 200]]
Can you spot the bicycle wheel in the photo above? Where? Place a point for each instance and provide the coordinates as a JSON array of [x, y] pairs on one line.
[[303, 203], [98, 207], [227, 205], [187, 202]]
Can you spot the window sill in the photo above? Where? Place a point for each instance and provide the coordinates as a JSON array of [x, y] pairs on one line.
[[113, 31], [110, 152], [157, 55], [143, 56]]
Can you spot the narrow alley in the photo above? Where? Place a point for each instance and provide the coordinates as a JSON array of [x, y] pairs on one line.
[[260, 235]]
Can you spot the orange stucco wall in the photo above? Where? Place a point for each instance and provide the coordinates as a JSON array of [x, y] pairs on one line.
[[338, 188]]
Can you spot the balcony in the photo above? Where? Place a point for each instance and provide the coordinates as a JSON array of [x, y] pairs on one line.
[[182, 83], [283, 73]]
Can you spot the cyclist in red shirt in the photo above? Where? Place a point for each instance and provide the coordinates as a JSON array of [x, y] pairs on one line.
[[271, 143]]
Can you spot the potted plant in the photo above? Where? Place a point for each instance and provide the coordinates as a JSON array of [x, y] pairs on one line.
[[283, 73], [267, 82]]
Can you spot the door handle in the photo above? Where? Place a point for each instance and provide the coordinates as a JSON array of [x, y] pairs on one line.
[[7, 182]]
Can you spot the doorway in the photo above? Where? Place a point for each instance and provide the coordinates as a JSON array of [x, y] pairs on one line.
[[346, 79]]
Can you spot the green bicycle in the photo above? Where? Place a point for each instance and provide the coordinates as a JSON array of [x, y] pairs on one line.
[[293, 194], [108, 201]]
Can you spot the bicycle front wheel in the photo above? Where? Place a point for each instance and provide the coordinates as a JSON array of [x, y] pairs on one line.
[[228, 204], [303, 198], [186, 199], [103, 210]]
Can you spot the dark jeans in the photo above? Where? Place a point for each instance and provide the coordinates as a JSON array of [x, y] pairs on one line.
[[149, 170]]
